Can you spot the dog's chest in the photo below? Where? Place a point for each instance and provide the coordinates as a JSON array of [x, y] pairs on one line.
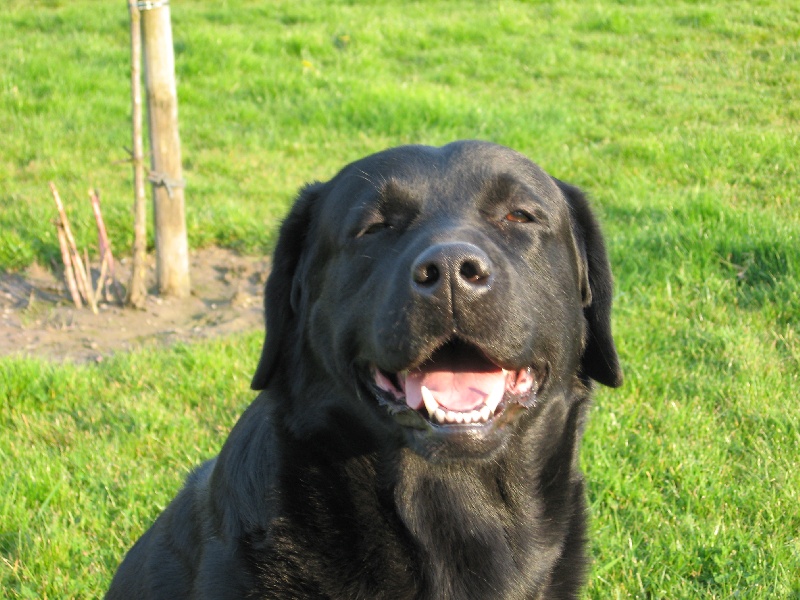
[[427, 538]]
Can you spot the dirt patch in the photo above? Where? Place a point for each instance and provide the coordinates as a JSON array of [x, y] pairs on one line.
[[37, 317]]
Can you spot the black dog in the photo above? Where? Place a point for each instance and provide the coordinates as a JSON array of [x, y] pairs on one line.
[[435, 317]]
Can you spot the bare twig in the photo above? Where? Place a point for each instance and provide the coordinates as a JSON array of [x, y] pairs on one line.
[[103, 242], [103, 270], [88, 267], [82, 280], [69, 275]]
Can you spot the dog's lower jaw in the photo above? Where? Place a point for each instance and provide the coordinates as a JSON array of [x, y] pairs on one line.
[[478, 530]]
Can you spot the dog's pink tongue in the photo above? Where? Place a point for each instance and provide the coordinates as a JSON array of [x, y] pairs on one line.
[[458, 391]]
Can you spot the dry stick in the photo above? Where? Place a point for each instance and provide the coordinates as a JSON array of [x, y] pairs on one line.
[[68, 273], [102, 235], [80, 272], [103, 243], [89, 286], [71, 247], [103, 269], [137, 292], [88, 270]]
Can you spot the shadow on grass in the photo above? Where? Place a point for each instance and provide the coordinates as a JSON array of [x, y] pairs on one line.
[[765, 273], [700, 242]]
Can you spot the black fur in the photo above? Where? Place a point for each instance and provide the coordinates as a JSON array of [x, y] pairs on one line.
[[326, 488]]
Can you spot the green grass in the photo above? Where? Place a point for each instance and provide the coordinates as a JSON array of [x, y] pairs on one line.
[[681, 120]]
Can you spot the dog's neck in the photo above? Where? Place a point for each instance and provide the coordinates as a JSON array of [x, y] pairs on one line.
[[454, 512], [462, 529]]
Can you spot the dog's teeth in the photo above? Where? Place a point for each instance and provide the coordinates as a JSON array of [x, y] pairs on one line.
[[472, 416], [429, 400], [440, 414], [495, 396]]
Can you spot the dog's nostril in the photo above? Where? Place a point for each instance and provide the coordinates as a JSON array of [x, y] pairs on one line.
[[426, 274], [473, 272]]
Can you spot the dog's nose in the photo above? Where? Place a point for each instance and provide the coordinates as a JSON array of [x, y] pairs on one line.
[[457, 266]]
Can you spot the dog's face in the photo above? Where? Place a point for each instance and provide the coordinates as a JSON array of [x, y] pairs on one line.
[[443, 292]]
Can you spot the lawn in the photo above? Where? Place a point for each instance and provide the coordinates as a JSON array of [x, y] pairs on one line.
[[682, 121]]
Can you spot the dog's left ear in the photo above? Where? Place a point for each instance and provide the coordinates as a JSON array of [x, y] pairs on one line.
[[599, 360], [281, 292]]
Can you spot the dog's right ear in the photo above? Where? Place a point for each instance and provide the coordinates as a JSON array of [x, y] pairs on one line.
[[280, 301]]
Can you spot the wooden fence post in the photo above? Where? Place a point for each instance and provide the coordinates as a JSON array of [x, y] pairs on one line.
[[172, 249], [137, 289]]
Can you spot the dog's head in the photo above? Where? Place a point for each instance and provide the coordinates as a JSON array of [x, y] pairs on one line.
[[442, 292]]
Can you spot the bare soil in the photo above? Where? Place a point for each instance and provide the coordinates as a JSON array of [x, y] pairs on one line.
[[38, 318]]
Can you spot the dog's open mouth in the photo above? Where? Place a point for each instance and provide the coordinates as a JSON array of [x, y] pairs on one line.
[[458, 385]]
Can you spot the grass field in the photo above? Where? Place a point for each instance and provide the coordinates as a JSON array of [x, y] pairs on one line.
[[681, 119]]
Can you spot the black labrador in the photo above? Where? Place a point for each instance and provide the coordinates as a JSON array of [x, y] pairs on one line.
[[435, 318]]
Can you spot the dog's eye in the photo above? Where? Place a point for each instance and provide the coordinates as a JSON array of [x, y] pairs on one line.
[[374, 228], [520, 216]]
